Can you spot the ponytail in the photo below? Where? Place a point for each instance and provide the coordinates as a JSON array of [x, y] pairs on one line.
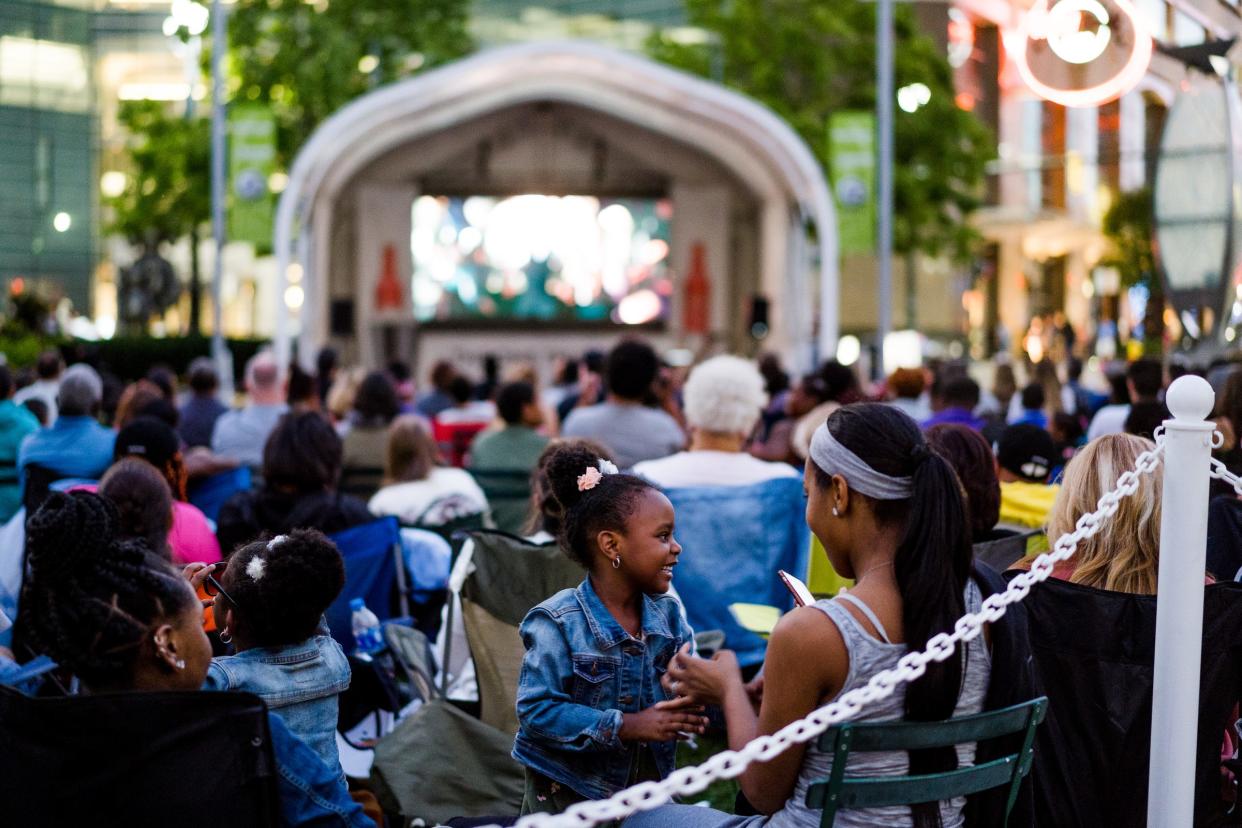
[[931, 565]]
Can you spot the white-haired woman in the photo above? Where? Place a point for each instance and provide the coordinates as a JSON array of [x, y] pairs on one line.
[[724, 398]]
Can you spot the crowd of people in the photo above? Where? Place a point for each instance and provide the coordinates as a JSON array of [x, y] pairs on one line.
[[922, 489]]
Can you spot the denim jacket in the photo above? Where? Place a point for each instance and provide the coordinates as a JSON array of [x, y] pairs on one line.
[[310, 792], [300, 682], [580, 673]]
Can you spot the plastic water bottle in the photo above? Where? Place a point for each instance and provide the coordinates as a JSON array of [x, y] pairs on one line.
[[368, 637]]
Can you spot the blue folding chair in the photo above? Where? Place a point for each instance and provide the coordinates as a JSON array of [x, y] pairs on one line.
[[373, 567], [210, 493]]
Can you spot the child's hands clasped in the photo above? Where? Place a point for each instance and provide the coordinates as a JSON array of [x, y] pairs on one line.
[[666, 721]]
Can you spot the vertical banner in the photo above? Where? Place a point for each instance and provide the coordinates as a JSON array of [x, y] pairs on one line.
[[252, 158], [851, 150]]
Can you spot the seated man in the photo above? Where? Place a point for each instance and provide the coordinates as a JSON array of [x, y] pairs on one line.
[[76, 445], [241, 433], [517, 446], [724, 397], [1025, 455]]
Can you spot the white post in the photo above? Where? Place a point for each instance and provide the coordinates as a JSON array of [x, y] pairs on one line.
[[1179, 615]]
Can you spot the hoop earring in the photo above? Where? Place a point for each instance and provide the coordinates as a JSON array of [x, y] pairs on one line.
[[616, 562], [225, 638]]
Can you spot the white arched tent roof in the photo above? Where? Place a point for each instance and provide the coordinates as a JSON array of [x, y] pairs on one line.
[[741, 134]]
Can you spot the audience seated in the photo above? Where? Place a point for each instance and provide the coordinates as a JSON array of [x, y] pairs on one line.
[[417, 490], [139, 399], [431, 403], [15, 423], [242, 433], [75, 445], [365, 434], [841, 387], [46, 388], [724, 398], [123, 620], [502, 459], [632, 431], [975, 465], [269, 603], [1032, 407], [777, 445], [958, 399], [201, 409], [905, 391], [1025, 456], [301, 467], [1144, 379], [465, 408]]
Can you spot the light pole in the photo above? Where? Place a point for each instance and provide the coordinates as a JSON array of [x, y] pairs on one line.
[[219, 39], [884, 174]]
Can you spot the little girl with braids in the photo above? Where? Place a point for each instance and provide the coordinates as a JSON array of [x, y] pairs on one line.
[[593, 717]]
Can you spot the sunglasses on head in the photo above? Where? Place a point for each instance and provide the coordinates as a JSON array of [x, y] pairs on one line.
[[212, 587]]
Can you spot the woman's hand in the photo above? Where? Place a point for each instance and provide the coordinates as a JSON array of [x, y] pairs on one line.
[[666, 721], [702, 680], [197, 572]]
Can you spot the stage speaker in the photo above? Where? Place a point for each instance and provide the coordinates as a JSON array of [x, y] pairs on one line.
[[341, 317], [758, 316]]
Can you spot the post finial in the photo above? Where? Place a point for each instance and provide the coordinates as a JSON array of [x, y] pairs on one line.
[[1190, 398]]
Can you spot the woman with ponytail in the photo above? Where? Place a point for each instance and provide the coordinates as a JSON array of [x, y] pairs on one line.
[[891, 515]]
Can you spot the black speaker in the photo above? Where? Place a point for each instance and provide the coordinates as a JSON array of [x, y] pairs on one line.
[[341, 317], [758, 316]]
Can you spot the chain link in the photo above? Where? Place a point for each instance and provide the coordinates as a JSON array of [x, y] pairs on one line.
[[731, 763]]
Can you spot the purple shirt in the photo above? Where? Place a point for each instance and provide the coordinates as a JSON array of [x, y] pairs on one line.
[[955, 416]]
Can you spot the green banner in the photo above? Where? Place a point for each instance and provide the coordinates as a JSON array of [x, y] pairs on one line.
[[252, 158], [851, 142]]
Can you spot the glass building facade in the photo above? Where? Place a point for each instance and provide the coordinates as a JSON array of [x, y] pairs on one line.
[[48, 129]]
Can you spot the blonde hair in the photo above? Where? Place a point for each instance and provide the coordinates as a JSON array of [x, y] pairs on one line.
[[412, 453], [1125, 555]]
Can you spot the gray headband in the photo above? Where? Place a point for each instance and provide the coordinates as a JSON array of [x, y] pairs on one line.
[[834, 458]]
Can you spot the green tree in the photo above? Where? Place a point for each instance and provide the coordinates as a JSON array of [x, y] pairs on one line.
[[1129, 229], [308, 59], [806, 59]]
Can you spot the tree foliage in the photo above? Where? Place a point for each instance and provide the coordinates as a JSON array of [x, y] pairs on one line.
[[308, 59], [1128, 227], [806, 59], [169, 158]]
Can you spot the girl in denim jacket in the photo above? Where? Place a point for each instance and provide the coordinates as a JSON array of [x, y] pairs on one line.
[[269, 603], [593, 715]]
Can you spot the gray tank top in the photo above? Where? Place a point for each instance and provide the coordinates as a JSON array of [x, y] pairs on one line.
[[868, 656]]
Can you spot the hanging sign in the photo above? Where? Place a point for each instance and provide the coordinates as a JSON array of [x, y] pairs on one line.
[[1081, 52], [252, 158], [851, 149]]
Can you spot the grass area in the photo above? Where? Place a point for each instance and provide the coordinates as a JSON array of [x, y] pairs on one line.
[[720, 795]]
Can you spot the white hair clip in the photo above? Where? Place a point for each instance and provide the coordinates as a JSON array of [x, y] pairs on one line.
[[256, 568], [608, 467]]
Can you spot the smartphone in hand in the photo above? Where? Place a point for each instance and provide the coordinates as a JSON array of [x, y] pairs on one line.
[[801, 594]]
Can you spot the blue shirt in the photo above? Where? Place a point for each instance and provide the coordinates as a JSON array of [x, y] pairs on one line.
[[301, 682], [581, 672], [310, 792], [72, 447], [957, 416], [15, 423], [1031, 416]]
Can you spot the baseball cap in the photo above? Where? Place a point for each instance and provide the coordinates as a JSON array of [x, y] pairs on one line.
[[1027, 451], [148, 438]]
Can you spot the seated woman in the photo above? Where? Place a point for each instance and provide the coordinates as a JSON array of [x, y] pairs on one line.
[[365, 434], [269, 602], [1126, 557], [143, 503], [418, 491], [890, 514], [123, 620], [301, 467], [968, 452]]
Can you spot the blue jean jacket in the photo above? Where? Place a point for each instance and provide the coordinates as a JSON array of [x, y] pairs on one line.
[[580, 673], [300, 682], [310, 792]]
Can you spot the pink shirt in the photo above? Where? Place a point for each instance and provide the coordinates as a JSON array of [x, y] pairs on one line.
[[190, 538]]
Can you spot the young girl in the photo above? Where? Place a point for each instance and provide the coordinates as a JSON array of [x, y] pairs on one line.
[[593, 717], [269, 603]]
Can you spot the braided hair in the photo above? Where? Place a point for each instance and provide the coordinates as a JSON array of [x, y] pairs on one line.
[[93, 599], [282, 586], [584, 514]]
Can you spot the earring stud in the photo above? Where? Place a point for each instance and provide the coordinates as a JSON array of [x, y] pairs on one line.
[[181, 664], [835, 513]]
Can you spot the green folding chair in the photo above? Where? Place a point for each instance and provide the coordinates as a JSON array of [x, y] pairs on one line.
[[840, 792]]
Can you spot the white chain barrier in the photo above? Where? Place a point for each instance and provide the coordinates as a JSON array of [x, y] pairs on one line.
[[731, 763]]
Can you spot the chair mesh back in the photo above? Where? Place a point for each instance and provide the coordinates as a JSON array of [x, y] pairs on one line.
[[149, 759]]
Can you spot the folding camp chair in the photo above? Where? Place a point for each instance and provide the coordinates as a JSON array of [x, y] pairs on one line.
[[210, 493], [137, 759], [374, 572], [455, 439], [840, 792], [1004, 547], [508, 496]]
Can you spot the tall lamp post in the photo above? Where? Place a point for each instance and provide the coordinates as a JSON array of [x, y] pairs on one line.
[[884, 96], [219, 353]]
